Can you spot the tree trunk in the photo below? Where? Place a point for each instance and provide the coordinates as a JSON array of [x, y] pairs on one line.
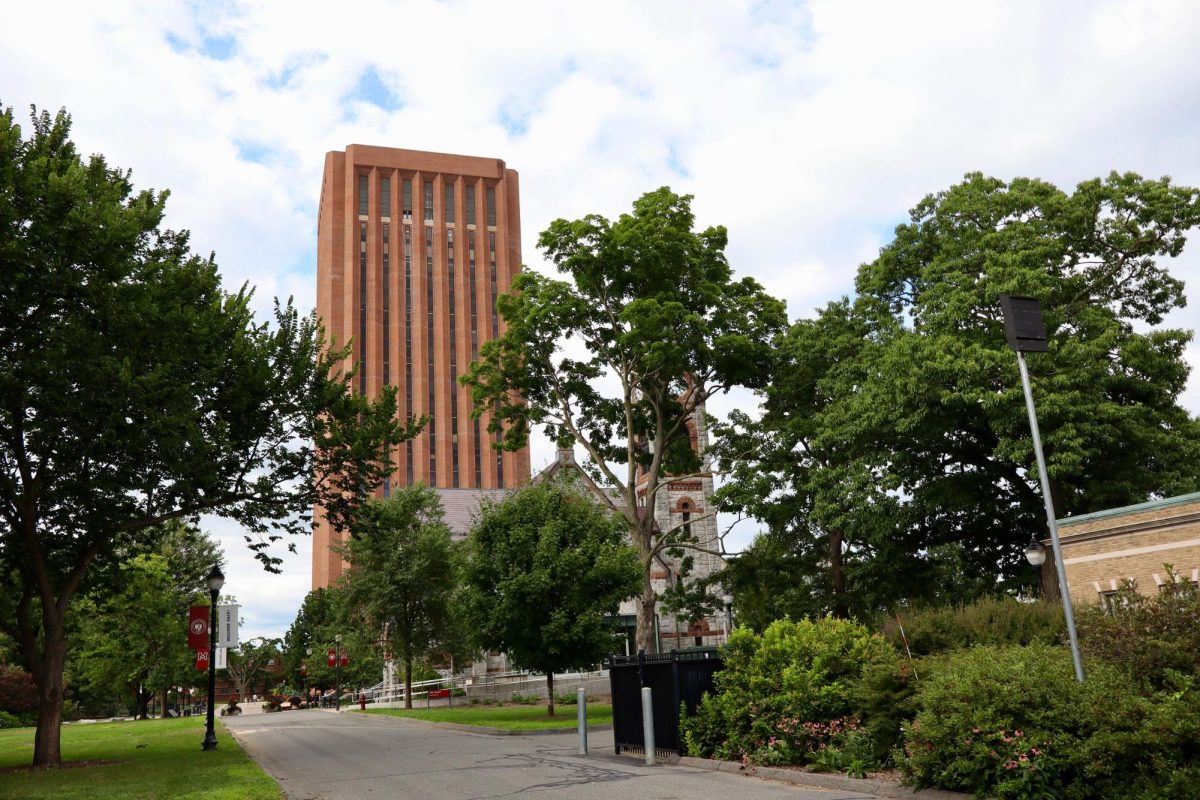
[[408, 682], [162, 703], [48, 677], [645, 615], [837, 572], [550, 691]]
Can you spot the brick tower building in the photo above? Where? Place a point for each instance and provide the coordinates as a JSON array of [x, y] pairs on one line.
[[413, 248]]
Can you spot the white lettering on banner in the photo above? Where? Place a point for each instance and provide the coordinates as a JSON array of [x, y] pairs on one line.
[[227, 625], [221, 658]]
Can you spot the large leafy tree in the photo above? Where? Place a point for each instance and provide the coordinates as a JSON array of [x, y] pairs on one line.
[[326, 614], [248, 664], [135, 390], [543, 570], [895, 436], [618, 358], [403, 574]]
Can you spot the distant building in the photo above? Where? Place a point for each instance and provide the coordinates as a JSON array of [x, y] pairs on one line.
[[413, 248], [1133, 543]]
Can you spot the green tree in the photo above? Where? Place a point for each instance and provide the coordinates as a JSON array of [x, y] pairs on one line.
[[325, 614], [247, 664], [544, 567], [402, 574], [895, 436], [654, 307], [134, 390]]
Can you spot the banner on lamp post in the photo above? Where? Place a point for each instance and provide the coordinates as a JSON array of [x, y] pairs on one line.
[[202, 660], [198, 627], [222, 658], [227, 625]]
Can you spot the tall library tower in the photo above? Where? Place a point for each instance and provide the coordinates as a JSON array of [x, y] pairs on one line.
[[413, 249]]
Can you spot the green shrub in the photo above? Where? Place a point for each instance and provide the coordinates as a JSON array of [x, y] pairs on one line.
[[1148, 637], [988, 621], [1012, 722], [883, 699], [525, 699], [8, 720], [566, 699], [785, 694]]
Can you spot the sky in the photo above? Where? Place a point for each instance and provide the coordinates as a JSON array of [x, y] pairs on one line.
[[808, 129]]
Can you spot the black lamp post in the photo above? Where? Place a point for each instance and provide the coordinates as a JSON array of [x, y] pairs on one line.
[[337, 670], [215, 581], [727, 599]]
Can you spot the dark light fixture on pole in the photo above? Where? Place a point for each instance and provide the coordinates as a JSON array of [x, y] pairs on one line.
[[1027, 334], [215, 580]]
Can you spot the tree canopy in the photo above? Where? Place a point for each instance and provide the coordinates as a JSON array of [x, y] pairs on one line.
[[402, 574], [894, 436], [543, 569], [652, 310], [135, 390]]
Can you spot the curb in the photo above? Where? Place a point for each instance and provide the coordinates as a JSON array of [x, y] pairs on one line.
[[822, 780], [455, 726]]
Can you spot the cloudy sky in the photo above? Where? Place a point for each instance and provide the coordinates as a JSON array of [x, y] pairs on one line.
[[807, 128]]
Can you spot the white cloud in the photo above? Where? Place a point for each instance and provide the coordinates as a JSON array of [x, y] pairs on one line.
[[808, 129]]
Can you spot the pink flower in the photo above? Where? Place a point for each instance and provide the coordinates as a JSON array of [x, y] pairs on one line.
[[1011, 765]]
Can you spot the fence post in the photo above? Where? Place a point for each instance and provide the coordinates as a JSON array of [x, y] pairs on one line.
[[648, 725], [581, 701]]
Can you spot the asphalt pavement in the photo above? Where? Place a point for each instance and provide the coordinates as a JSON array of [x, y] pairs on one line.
[[316, 754]]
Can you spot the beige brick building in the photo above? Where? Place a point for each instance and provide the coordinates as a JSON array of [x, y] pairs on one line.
[[1103, 549]]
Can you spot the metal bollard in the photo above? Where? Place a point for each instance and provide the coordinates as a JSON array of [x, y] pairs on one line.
[[648, 725], [581, 701]]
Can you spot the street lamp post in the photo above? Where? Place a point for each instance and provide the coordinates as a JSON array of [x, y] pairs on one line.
[[215, 581], [1026, 333], [728, 600], [337, 670]]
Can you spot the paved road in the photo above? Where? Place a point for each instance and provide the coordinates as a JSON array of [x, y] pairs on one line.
[[322, 754]]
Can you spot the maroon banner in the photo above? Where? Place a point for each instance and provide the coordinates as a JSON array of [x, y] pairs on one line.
[[331, 658], [202, 659], [198, 628], [345, 660]]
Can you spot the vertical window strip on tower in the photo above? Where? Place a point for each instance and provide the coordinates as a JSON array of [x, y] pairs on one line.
[[470, 204], [429, 340], [448, 205], [385, 197], [491, 206], [408, 373], [495, 323], [429, 202], [453, 360], [362, 195], [385, 294], [406, 200], [473, 291], [362, 308]]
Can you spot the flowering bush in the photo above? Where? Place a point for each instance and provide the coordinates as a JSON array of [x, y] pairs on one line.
[[783, 697], [1013, 723]]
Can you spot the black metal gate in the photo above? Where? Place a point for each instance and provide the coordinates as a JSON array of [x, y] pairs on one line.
[[678, 677]]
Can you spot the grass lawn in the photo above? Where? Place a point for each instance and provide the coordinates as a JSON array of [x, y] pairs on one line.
[[158, 759], [517, 718]]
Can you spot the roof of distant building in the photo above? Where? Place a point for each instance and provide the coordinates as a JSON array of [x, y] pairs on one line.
[[461, 507]]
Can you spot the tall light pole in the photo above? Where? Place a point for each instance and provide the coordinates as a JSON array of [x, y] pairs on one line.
[[337, 670], [1027, 334], [216, 579], [728, 600]]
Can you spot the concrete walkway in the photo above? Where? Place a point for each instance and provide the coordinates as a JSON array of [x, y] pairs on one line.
[[322, 754]]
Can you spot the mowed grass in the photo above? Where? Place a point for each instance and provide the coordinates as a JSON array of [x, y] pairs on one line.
[[515, 718], [158, 759]]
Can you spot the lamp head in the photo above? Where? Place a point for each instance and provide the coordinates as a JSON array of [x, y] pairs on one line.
[[1036, 553], [727, 599], [216, 579]]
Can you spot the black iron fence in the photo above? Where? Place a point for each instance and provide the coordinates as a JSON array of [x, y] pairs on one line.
[[675, 678]]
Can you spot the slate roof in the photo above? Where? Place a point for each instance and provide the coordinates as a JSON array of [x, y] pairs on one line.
[[462, 507]]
